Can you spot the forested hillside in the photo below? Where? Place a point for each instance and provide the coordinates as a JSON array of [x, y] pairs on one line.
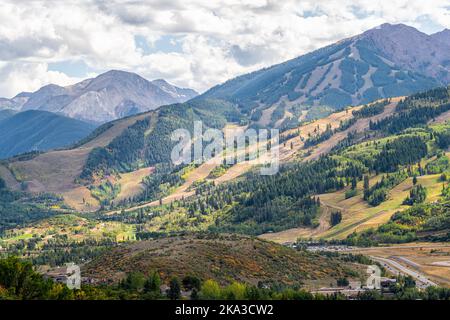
[[39, 131], [400, 173], [353, 71], [148, 143], [258, 204]]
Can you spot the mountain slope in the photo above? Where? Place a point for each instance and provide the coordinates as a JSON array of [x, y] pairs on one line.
[[413, 50], [7, 113], [443, 36], [15, 103], [123, 145], [39, 131], [388, 61], [145, 139], [112, 95]]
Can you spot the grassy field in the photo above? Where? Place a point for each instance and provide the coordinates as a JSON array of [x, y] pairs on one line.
[[130, 183], [441, 118]]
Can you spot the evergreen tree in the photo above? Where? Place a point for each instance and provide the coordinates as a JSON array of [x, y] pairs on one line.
[[335, 218], [153, 283], [174, 291]]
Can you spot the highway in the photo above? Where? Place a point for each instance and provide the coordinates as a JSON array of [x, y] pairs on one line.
[[397, 268], [394, 264]]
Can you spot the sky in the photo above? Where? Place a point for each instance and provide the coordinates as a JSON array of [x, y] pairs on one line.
[[189, 43]]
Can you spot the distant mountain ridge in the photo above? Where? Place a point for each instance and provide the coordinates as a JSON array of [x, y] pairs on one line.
[[7, 113], [16, 102], [443, 36], [414, 50], [111, 95], [36, 130], [387, 61]]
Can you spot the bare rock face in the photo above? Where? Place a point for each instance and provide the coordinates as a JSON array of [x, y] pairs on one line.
[[442, 36], [112, 95], [15, 103], [409, 48]]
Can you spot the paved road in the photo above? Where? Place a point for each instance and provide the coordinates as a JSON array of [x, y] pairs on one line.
[[344, 248], [412, 246], [395, 267], [407, 261]]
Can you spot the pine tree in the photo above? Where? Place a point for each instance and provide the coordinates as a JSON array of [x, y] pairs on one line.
[[153, 282], [366, 187], [174, 292]]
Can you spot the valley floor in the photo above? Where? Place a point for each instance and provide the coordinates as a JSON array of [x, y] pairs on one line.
[[428, 262]]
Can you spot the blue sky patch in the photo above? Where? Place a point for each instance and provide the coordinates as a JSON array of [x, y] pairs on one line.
[[165, 44], [77, 69]]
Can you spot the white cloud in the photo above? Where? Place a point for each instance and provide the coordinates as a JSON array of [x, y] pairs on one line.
[[220, 39], [18, 77]]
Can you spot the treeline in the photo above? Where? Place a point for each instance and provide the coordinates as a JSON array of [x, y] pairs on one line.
[[138, 286], [409, 118], [379, 192], [19, 208], [371, 110], [404, 150], [317, 138], [105, 192], [417, 195], [434, 96], [120, 155], [165, 177], [415, 110], [443, 139], [420, 222], [148, 141], [277, 202], [19, 281]]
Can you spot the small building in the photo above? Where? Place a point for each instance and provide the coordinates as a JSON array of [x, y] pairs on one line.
[[69, 275]]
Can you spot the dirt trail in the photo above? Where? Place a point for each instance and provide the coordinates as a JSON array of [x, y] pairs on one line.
[[291, 235], [357, 215], [287, 150]]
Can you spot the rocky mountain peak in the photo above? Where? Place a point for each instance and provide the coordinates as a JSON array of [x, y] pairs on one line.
[[111, 95]]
